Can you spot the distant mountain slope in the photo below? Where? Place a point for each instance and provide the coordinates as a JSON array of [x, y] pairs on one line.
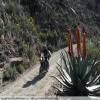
[[56, 14]]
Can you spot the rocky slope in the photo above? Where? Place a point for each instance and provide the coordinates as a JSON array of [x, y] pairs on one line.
[[18, 37], [26, 24], [56, 14]]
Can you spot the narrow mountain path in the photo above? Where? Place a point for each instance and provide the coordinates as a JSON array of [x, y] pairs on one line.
[[30, 83]]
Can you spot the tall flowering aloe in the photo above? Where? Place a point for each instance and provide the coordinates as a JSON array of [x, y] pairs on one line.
[[84, 53], [70, 47], [78, 41]]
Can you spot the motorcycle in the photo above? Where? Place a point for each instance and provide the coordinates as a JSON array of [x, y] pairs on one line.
[[44, 65]]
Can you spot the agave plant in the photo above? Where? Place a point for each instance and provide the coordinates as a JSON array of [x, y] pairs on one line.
[[78, 76]]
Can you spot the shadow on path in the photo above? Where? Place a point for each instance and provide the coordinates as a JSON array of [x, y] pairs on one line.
[[34, 81]]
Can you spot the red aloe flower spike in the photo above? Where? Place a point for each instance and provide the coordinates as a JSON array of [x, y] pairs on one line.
[[78, 41], [70, 47], [84, 52]]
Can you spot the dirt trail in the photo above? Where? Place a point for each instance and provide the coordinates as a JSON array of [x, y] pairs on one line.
[[30, 83]]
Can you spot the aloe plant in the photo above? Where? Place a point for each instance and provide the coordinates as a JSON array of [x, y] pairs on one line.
[[78, 76]]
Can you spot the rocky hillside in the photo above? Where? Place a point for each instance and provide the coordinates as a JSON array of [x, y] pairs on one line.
[[18, 39], [56, 14], [17, 29], [27, 24], [23, 22]]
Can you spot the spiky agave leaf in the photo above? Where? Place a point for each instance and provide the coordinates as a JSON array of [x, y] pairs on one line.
[[68, 65], [90, 71], [59, 89], [64, 75]]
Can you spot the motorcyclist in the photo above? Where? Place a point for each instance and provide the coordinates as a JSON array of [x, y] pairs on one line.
[[46, 52], [45, 56]]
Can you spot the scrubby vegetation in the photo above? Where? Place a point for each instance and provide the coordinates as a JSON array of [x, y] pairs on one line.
[[93, 48], [18, 39]]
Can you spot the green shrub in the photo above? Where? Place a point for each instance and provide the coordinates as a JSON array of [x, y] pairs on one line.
[[10, 74], [20, 68], [93, 50], [6, 75], [14, 73], [96, 41], [26, 66]]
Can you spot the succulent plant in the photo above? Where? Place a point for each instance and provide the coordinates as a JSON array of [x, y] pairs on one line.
[[78, 76]]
